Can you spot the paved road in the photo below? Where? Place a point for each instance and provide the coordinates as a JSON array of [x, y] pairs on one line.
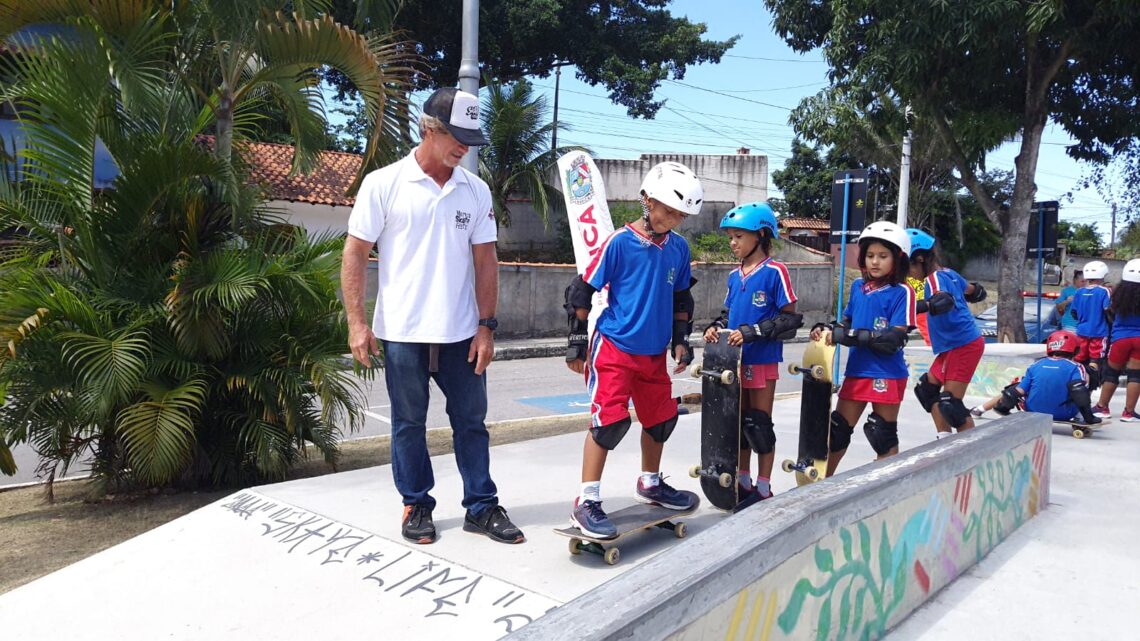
[[516, 389]]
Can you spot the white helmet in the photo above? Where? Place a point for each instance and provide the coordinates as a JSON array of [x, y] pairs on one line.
[[888, 231], [1095, 270], [675, 185], [1131, 271]]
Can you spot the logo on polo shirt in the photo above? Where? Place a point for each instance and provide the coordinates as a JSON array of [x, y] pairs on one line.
[[672, 275], [759, 299], [461, 219], [881, 322]]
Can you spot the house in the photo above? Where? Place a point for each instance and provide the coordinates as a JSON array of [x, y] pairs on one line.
[[810, 232]]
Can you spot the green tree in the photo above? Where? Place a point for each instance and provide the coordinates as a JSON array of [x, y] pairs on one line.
[[627, 46], [806, 180], [165, 328], [519, 159], [984, 73], [1082, 239]]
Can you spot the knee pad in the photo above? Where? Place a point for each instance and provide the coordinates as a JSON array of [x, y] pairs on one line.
[[841, 432], [661, 431], [883, 435], [608, 436], [926, 393], [1110, 375], [953, 410], [1094, 370], [756, 426], [1010, 398], [1133, 375]]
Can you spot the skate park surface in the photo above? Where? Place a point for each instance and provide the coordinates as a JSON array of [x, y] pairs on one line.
[[323, 557]]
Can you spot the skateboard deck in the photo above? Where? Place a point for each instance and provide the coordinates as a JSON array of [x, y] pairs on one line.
[[641, 516], [815, 412], [1081, 430], [720, 422]]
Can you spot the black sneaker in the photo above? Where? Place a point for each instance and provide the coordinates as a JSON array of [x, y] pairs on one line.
[[495, 523], [418, 526]]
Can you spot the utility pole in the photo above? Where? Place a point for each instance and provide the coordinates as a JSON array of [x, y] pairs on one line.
[[1112, 238], [469, 67], [554, 131], [904, 174]]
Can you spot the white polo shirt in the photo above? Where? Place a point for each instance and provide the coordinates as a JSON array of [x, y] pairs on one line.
[[425, 233]]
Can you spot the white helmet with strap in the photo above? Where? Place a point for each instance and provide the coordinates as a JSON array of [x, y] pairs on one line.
[[1095, 270], [888, 231], [1131, 272], [675, 185]]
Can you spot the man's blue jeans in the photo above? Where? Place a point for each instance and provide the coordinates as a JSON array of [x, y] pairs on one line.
[[406, 375]]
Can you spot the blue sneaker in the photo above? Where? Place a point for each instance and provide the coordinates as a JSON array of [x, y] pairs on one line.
[[589, 517], [665, 495]]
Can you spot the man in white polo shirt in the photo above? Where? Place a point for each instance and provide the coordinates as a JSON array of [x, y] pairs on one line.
[[435, 309]]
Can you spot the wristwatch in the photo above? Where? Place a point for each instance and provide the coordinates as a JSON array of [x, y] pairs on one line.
[[491, 323]]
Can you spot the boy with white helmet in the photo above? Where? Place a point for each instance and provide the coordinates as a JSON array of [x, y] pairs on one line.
[[876, 321], [1090, 308], [646, 267], [1124, 356]]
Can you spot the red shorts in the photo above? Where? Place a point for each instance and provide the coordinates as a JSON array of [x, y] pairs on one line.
[[757, 376], [873, 390], [1091, 348], [959, 363], [614, 377], [1124, 350]]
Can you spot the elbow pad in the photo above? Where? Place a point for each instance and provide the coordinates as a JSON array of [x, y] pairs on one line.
[[579, 295], [888, 341], [979, 294], [720, 322], [683, 300], [939, 303]]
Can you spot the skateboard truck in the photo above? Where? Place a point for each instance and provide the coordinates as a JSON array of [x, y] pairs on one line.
[[728, 377], [803, 466], [725, 479]]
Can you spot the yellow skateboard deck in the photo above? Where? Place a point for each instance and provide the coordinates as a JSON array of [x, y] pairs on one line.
[[815, 411]]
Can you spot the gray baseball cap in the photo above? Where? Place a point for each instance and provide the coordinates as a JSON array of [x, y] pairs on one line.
[[459, 111]]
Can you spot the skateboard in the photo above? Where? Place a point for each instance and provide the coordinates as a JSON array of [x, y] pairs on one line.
[[1081, 430], [641, 516], [720, 422], [815, 411]]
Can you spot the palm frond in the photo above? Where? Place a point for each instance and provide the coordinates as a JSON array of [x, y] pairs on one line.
[[159, 432]]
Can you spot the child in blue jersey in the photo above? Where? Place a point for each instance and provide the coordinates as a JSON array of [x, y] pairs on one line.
[[1054, 385], [876, 321], [761, 304], [954, 336], [1089, 307], [1065, 298], [646, 266], [1124, 356]]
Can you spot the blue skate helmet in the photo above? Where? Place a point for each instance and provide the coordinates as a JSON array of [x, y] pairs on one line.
[[752, 217], [919, 239]]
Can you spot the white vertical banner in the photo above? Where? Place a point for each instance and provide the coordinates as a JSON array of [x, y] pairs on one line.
[[588, 213]]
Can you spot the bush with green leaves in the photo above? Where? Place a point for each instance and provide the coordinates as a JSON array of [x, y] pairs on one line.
[[164, 329]]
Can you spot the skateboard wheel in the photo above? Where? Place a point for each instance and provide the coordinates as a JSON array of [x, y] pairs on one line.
[[679, 530], [612, 556], [1078, 433], [793, 369], [726, 480], [817, 372], [695, 371], [727, 377], [813, 473], [695, 471], [574, 549], [788, 465]]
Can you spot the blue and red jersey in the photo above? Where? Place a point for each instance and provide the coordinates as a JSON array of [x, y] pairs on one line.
[[642, 275], [956, 327], [754, 297], [1046, 385], [874, 306], [1126, 327], [1089, 304]]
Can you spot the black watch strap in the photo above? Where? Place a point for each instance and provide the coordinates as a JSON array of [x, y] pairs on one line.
[[490, 323]]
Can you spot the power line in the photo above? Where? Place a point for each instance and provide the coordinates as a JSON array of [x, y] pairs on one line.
[[732, 55], [728, 95]]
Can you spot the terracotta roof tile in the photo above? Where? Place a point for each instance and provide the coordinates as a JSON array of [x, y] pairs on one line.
[[818, 224], [270, 163]]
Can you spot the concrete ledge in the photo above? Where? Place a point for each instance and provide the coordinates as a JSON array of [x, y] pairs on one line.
[[1000, 363], [849, 557]]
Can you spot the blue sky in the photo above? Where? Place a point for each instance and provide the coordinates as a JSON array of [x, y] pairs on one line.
[[717, 108]]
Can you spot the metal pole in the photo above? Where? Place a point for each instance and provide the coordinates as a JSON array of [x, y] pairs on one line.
[[469, 67], [836, 376], [904, 179], [1112, 236], [554, 132], [1040, 262]]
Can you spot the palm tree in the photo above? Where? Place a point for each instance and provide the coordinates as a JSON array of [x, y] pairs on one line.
[[519, 160], [163, 327]]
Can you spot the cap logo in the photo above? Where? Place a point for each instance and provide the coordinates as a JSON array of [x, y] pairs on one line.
[[473, 112]]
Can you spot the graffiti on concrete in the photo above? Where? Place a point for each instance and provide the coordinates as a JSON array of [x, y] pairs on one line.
[[408, 578], [865, 577]]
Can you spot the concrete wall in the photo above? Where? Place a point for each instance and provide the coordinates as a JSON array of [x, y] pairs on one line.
[[316, 219], [531, 296], [738, 178], [986, 268], [1000, 363], [1115, 266], [847, 558]]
